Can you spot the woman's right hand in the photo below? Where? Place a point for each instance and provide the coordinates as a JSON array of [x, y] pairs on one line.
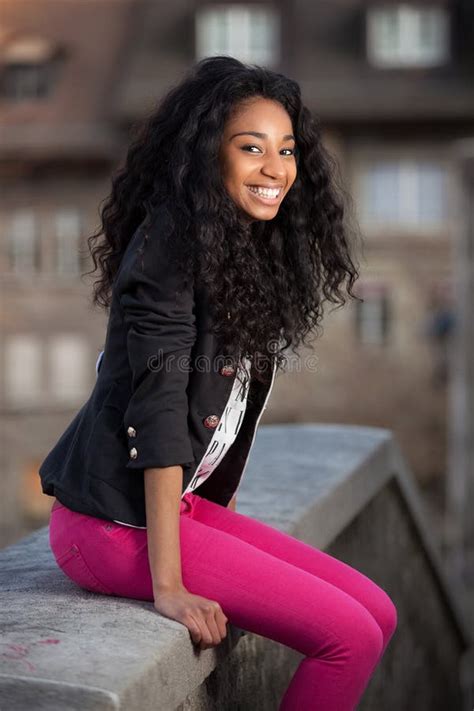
[[204, 618]]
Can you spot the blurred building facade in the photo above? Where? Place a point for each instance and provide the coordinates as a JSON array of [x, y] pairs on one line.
[[60, 62], [392, 84]]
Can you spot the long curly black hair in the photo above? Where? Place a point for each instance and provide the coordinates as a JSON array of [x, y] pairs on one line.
[[272, 276]]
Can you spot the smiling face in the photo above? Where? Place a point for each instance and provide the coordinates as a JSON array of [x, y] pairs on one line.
[[257, 158]]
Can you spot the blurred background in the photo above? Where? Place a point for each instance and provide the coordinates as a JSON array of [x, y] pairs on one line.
[[393, 85]]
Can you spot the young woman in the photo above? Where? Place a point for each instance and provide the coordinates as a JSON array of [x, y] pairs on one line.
[[223, 237]]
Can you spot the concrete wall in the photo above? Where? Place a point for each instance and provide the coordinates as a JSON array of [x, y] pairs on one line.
[[343, 489]]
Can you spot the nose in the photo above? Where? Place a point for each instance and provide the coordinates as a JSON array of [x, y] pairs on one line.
[[274, 167]]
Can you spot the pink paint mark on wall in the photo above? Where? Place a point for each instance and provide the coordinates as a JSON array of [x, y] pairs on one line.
[[19, 652]]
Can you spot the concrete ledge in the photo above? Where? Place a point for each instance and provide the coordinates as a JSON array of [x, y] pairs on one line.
[[344, 489]]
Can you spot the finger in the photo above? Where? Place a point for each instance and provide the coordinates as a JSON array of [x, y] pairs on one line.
[[213, 627], [194, 628], [206, 637], [221, 621]]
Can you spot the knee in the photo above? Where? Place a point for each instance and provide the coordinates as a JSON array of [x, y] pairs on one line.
[[356, 638], [387, 617], [365, 639], [370, 633]]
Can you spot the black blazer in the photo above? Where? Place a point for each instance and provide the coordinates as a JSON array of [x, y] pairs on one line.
[[161, 391]]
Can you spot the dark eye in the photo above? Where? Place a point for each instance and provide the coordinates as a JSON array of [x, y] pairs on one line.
[[292, 152]]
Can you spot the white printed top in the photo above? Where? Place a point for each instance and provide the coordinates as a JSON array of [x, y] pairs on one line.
[[224, 434]]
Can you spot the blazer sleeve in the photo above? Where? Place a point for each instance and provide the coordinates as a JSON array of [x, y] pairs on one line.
[[158, 310]]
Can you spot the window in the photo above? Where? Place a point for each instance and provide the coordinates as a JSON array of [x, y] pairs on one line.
[[29, 65], [68, 233], [247, 32], [23, 384], [407, 36], [372, 314], [26, 81], [22, 242], [406, 193], [69, 368]]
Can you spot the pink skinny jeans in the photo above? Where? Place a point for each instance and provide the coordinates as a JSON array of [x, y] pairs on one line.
[[266, 582]]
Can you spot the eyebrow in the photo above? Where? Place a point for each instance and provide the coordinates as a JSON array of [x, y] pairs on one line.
[[287, 137]]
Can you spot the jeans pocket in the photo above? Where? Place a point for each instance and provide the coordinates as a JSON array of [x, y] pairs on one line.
[[72, 563], [126, 538]]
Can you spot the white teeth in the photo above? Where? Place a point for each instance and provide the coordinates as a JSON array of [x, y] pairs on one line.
[[265, 192]]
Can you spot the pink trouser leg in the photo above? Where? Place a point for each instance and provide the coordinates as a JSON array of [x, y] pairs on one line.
[[364, 633], [307, 557]]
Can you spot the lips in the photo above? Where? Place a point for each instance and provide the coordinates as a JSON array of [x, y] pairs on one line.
[[266, 199]]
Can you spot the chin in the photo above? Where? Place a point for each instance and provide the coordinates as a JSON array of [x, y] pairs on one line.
[[266, 215], [256, 218], [263, 215]]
